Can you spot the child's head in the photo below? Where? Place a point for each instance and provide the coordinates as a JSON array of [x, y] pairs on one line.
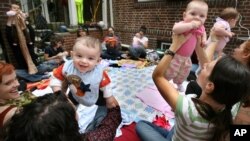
[[81, 32], [138, 35], [40, 120], [142, 30], [111, 31], [86, 53], [56, 41], [242, 53], [196, 10], [15, 7], [231, 15]]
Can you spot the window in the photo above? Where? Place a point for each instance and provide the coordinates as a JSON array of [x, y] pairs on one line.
[[147, 0], [65, 11], [94, 11]]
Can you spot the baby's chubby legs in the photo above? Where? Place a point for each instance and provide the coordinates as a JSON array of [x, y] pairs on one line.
[[179, 70]]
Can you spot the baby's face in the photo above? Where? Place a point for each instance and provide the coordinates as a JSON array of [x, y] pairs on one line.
[[82, 33], [196, 12], [59, 44], [232, 22], [15, 7], [111, 31], [86, 58], [138, 35]]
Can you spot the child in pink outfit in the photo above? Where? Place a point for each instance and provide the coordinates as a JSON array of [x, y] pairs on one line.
[[137, 40], [222, 28], [192, 25]]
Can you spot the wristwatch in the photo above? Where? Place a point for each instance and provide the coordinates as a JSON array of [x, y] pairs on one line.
[[169, 52]]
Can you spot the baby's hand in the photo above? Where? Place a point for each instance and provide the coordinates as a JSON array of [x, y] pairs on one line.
[[178, 40], [59, 54], [196, 24], [214, 37], [111, 102], [231, 34], [203, 43], [65, 53]]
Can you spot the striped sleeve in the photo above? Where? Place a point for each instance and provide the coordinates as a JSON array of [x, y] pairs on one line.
[[189, 124], [235, 109]]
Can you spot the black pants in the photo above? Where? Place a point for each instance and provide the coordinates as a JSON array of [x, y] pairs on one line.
[[111, 54]]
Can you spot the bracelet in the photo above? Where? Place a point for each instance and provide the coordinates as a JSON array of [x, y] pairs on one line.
[[169, 52]]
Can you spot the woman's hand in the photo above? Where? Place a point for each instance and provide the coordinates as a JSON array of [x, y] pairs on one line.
[[213, 36], [200, 52], [111, 102], [178, 40], [62, 54]]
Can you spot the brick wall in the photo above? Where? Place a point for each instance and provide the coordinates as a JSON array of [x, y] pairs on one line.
[[69, 38], [159, 17]]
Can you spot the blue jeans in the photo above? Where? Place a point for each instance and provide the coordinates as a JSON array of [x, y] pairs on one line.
[[194, 67], [99, 116], [47, 66], [148, 131], [23, 74], [137, 52]]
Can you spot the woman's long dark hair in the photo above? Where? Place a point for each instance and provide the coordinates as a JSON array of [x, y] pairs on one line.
[[231, 84], [49, 118]]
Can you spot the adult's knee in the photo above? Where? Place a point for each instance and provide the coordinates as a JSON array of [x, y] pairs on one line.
[[141, 126]]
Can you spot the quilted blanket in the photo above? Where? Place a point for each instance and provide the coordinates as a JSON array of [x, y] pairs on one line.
[[126, 83]]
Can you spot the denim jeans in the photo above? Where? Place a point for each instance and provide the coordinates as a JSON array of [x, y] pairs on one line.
[[99, 116], [47, 66], [194, 67], [148, 131], [23, 74], [137, 52], [111, 54]]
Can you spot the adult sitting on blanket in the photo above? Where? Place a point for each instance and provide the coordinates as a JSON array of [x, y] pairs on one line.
[[139, 44], [112, 44], [81, 32], [54, 53], [52, 117], [53, 56], [10, 99], [85, 76]]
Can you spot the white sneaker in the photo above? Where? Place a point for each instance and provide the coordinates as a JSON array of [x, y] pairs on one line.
[[180, 88]]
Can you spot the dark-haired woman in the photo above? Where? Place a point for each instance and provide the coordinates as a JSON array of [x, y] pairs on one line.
[[206, 118]]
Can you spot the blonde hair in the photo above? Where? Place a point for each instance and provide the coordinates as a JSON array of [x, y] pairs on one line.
[[201, 2], [88, 41]]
